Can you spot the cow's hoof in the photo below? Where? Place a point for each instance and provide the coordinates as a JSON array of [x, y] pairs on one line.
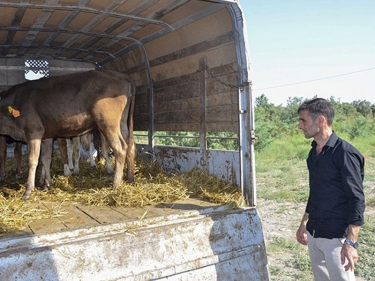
[[26, 196], [67, 171]]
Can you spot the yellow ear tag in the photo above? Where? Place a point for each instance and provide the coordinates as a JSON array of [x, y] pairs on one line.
[[16, 113]]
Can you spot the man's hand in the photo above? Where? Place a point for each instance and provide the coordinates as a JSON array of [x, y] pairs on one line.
[[350, 255], [301, 234]]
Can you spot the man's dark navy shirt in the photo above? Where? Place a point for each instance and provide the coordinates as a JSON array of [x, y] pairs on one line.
[[336, 188]]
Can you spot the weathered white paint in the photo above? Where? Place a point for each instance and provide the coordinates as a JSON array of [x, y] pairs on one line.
[[224, 164], [210, 244]]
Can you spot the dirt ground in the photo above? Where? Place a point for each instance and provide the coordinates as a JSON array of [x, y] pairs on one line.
[[282, 220]]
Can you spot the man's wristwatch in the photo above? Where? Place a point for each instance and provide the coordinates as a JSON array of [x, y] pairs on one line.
[[351, 243]]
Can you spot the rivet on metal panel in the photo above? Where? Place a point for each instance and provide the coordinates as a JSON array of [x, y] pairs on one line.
[[253, 137], [243, 111]]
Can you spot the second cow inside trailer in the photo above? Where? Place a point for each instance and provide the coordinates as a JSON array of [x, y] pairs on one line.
[[190, 62]]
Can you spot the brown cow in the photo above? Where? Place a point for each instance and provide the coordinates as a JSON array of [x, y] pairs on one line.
[[71, 105]]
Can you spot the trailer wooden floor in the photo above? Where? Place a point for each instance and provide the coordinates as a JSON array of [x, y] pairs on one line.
[[73, 216]]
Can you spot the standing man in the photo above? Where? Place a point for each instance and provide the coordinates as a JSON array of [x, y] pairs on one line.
[[336, 204]]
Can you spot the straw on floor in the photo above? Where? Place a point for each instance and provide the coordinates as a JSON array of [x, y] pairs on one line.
[[152, 185]]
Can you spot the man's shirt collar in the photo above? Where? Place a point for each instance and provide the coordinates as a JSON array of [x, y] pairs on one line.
[[331, 142]]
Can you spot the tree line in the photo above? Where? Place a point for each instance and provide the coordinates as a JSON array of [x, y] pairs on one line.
[[355, 119]]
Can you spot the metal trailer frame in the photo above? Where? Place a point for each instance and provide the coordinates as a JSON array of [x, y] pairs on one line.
[[172, 49]]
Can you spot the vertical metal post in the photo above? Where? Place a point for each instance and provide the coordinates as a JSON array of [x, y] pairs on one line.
[[247, 137], [151, 130], [203, 128], [246, 106]]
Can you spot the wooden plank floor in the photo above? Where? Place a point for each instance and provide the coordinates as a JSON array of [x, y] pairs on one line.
[[73, 216], [76, 215]]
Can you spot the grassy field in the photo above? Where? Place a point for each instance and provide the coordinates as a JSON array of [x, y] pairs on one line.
[[282, 190]]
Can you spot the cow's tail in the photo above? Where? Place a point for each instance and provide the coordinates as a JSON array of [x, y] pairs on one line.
[[130, 155]]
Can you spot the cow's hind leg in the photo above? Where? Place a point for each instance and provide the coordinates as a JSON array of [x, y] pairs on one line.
[[69, 147], [87, 144], [63, 147], [18, 156], [92, 152], [76, 154], [34, 151], [127, 133], [105, 153], [97, 141], [119, 147], [46, 158]]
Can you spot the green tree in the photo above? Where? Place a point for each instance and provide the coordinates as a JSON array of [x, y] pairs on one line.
[[363, 107], [272, 122]]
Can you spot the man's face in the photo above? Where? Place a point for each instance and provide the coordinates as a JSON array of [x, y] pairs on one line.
[[307, 124]]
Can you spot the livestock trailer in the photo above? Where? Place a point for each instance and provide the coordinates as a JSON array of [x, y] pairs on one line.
[[190, 62]]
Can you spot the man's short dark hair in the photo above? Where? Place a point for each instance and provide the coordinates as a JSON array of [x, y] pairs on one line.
[[318, 107]]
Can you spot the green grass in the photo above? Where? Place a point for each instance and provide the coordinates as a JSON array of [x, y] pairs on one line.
[[300, 260], [366, 266], [365, 146], [281, 180], [282, 176]]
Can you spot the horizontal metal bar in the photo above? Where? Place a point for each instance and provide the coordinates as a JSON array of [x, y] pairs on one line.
[[189, 137], [52, 7], [69, 31], [223, 1], [178, 137], [53, 68], [56, 48]]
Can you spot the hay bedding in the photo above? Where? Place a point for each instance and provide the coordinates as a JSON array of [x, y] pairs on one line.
[[94, 187]]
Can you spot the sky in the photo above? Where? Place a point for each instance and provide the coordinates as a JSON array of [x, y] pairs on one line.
[[323, 48]]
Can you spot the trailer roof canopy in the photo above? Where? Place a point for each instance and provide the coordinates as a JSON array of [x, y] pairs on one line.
[[95, 31]]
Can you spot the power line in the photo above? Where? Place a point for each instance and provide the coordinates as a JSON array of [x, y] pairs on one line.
[[313, 80]]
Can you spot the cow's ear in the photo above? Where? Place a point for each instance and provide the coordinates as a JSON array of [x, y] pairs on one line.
[[15, 112], [7, 110]]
